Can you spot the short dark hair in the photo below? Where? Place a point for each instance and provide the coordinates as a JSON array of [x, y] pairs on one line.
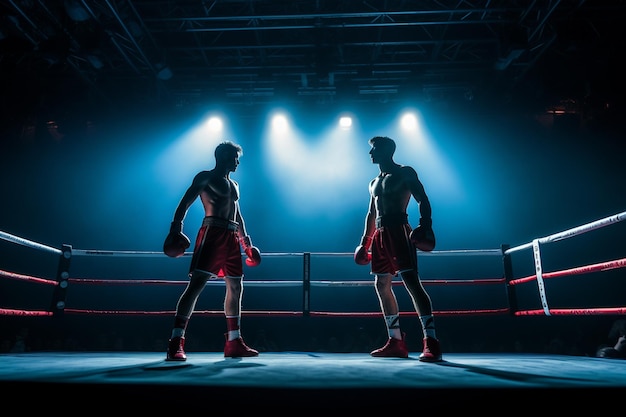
[[384, 142], [227, 146]]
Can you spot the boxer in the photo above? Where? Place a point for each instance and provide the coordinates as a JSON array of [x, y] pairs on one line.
[[216, 252], [393, 245]]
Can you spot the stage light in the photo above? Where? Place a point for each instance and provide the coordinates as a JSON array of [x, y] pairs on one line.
[[408, 122], [279, 123], [345, 122], [215, 124]]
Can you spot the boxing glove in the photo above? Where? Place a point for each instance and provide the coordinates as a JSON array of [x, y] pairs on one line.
[[253, 255], [423, 236], [176, 242], [361, 253]]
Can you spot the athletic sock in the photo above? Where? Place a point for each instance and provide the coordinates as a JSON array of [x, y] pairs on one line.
[[428, 326], [393, 326], [232, 326], [180, 325]]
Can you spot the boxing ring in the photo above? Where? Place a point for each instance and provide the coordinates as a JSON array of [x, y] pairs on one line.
[[519, 286]]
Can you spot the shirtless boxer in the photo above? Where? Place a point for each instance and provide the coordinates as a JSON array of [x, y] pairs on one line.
[[393, 248], [217, 252]]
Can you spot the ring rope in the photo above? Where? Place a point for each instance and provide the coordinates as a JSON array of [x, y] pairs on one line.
[[172, 312], [137, 253], [290, 283], [498, 311], [572, 232], [219, 282], [12, 312], [13, 275], [275, 313], [575, 311], [554, 312], [599, 267], [29, 243]]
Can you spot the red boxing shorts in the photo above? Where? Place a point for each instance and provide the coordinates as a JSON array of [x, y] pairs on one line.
[[392, 250], [217, 252]]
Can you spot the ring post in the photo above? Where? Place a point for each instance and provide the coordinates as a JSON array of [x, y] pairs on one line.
[[306, 284], [63, 274], [508, 276]]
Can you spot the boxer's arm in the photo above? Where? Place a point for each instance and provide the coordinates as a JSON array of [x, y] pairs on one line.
[[361, 252], [422, 236], [370, 219], [176, 242], [253, 254], [191, 194], [419, 193], [241, 230]]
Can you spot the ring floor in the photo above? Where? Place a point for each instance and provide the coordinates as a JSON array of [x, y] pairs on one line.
[[291, 383]]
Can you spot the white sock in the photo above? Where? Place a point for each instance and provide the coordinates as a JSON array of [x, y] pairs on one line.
[[428, 326], [393, 326]]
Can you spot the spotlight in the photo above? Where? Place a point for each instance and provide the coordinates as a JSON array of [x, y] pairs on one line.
[[345, 122]]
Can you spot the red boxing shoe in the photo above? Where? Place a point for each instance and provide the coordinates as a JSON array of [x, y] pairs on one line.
[[175, 349], [432, 350], [394, 348], [236, 348]]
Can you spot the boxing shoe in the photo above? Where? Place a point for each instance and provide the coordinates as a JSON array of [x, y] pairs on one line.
[[176, 349], [432, 350], [236, 348], [394, 348]]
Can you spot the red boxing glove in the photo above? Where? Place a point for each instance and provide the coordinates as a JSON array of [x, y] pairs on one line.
[[361, 253], [176, 242], [252, 252], [253, 256], [423, 236]]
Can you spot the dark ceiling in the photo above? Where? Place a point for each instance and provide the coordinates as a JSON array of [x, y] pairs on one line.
[[90, 54]]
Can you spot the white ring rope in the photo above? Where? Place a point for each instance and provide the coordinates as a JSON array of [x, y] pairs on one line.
[[122, 253], [137, 253], [28, 243], [551, 238], [572, 232]]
